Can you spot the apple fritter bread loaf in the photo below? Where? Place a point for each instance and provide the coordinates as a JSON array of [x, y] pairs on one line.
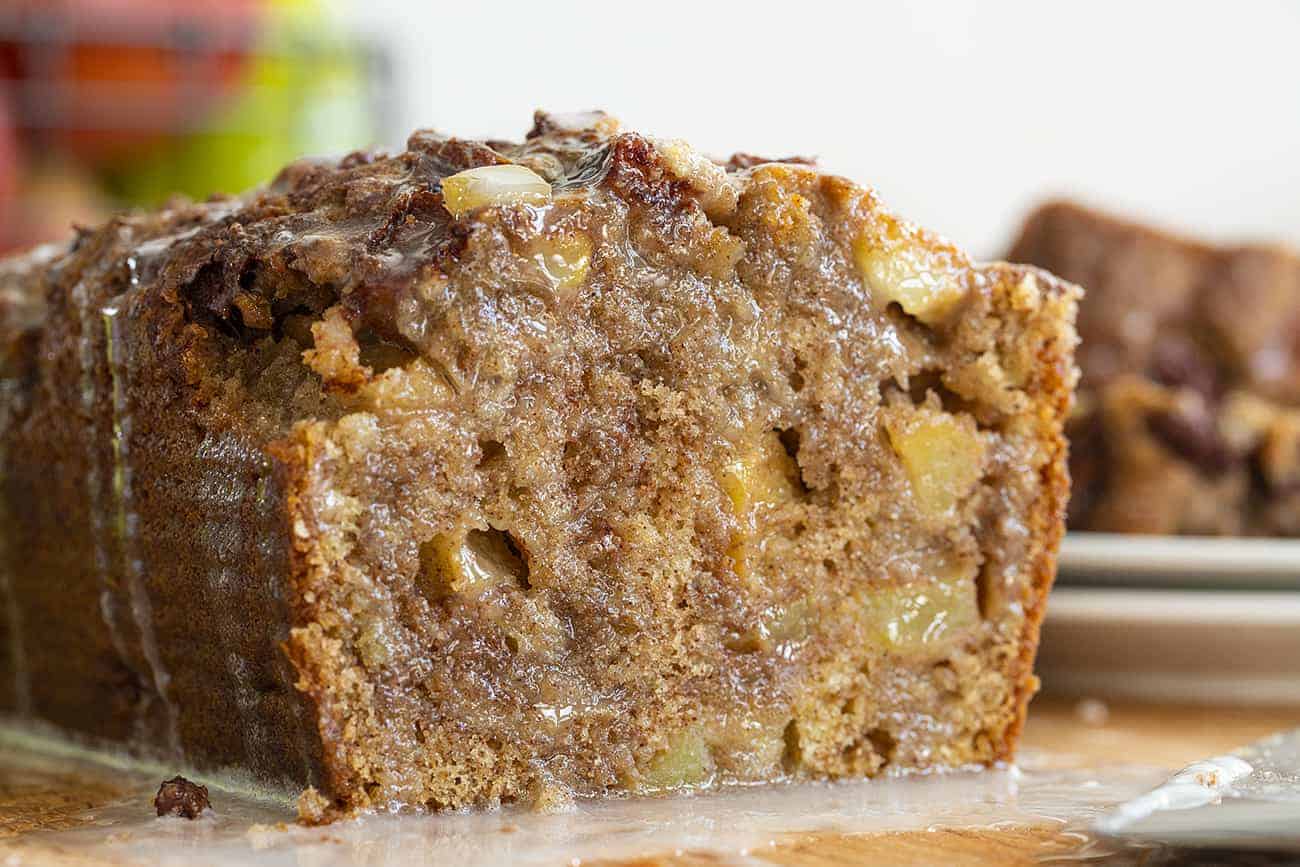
[[490, 472], [1189, 413]]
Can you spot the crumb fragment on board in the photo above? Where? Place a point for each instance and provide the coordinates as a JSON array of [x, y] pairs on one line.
[[180, 797]]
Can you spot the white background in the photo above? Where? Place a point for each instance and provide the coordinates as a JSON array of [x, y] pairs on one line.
[[962, 114]]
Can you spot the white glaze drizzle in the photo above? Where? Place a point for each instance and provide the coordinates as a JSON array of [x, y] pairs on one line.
[[89, 399], [125, 518]]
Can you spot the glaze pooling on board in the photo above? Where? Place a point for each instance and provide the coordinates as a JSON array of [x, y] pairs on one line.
[[736, 826]]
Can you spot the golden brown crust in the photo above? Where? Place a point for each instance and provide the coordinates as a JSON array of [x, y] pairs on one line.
[[1055, 398]]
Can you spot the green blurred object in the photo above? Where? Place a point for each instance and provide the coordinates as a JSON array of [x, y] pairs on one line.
[[303, 90]]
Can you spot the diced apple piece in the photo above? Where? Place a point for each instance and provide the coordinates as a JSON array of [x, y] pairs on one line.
[[915, 616], [685, 761], [780, 625], [469, 562], [761, 476], [565, 260], [533, 627], [373, 644], [717, 194], [748, 745], [493, 185], [792, 624], [909, 275], [942, 454]]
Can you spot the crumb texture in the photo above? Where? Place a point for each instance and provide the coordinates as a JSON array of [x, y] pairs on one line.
[[489, 472]]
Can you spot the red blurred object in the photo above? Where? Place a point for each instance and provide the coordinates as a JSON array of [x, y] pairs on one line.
[[8, 171], [101, 77], [8, 150]]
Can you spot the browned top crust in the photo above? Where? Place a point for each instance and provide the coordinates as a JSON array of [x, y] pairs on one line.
[[363, 232], [363, 229], [741, 161]]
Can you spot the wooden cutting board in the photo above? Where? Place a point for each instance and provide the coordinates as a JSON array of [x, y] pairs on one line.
[[1077, 758]]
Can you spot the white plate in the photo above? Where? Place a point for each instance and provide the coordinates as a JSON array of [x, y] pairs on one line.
[[1179, 561], [1212, 646]]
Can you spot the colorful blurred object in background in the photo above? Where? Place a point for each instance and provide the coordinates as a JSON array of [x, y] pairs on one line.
[[114, 103]]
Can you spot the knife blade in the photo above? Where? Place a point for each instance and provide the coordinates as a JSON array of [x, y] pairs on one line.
[[1249, 799]]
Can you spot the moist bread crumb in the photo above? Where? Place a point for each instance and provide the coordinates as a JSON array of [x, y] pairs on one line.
[[489, 472]]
